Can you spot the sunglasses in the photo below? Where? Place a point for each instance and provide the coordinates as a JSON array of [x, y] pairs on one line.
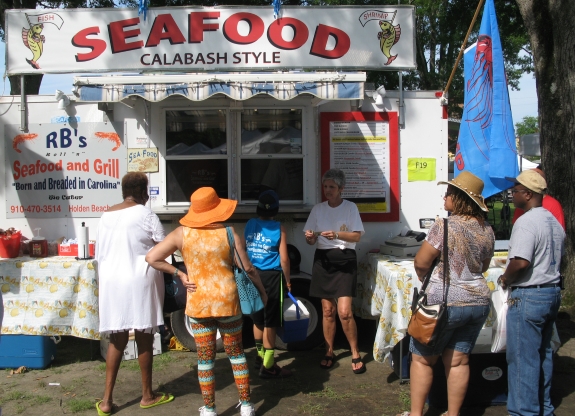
[[447, 194], [514, 191]]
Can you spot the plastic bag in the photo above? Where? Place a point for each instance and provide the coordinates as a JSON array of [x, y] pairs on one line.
[[499, 337]]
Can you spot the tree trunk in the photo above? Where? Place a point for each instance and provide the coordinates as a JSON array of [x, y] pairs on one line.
[[550, 27], [32, 84]]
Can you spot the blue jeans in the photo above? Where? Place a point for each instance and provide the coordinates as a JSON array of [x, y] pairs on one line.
[[530, 318], [463, 326]]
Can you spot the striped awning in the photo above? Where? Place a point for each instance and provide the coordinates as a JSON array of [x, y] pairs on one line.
[[238, 86]]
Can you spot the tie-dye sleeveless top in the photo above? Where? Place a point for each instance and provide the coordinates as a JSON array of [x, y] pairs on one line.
[[206, 253]]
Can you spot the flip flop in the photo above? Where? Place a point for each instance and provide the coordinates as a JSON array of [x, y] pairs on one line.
[[329, 362], [166, 398], [361, 369], [100, 411]]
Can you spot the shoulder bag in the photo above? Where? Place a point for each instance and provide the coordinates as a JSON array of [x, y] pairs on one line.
[[250, 299], [427, 321]]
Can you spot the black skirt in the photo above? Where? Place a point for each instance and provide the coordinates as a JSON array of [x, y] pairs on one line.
[[334, 273]]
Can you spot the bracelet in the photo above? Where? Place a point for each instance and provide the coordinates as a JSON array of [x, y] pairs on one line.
[[175, 274], [337, 236]]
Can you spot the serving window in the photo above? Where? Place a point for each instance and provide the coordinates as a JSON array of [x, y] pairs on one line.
[[196, 153], [268, 145]]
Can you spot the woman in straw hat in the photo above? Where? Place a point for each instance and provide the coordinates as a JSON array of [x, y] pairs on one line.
[[214, 305], [470, 249]]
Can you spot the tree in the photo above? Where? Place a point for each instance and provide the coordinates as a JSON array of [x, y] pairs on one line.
[[549, 24], [529, 125]]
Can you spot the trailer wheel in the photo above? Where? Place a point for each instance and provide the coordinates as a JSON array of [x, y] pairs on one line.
[[182, 329], [300, 290]]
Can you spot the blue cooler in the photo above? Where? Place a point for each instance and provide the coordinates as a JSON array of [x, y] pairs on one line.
[[295, 322], [31, 351]]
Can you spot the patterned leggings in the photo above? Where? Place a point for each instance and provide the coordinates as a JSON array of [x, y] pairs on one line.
[[204, 330]]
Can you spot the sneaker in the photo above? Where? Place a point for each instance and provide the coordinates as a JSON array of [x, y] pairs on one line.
[[258, 363], [275, 372], [206, 412], [247, 410]]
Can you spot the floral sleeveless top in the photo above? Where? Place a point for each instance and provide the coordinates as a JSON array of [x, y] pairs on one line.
[[469, 244], [206, 253]]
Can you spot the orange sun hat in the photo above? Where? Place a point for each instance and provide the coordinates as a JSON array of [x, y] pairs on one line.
[[207, 207]]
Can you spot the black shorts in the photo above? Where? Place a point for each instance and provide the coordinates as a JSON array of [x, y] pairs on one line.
[[271, 315], [334, 273]]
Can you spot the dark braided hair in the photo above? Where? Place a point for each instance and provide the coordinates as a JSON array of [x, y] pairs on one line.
[[464, 205]]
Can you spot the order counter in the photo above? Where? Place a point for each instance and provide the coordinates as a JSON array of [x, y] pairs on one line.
[[50, 296], [385, 292]]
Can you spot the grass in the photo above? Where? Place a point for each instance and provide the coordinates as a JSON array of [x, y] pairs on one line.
[[330, 393], [79, 405], [311, 409]]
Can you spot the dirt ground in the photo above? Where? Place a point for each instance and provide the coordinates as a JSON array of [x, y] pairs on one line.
[[80, 372]]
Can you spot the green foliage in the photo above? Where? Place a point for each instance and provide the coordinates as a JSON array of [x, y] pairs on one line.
[[79, 405], [529, 125]]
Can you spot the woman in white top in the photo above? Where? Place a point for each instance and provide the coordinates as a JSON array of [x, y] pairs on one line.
[[131, 293], [336, 227]]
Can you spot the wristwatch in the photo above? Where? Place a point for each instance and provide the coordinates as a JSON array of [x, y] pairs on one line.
[[499, 280], [175, 274], [337, 236]]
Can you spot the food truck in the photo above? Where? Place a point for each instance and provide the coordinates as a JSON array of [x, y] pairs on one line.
[[228, 97]]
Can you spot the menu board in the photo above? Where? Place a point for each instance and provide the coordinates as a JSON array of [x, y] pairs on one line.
[[364, 147], [361, 151]]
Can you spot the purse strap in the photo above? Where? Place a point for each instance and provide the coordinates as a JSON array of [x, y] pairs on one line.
[[233, 249], [445, 264]]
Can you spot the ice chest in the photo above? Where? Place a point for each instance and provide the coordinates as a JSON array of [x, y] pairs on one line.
[[296, 321], [31, 351], [487, 382]]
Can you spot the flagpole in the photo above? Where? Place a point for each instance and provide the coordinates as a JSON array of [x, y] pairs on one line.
[[462, 49]]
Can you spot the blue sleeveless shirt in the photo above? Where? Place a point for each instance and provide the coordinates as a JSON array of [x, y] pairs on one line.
[[263, 243]]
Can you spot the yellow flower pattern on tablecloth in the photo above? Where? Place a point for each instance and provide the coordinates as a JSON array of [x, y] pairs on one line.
[[386, 293], [50, 296]]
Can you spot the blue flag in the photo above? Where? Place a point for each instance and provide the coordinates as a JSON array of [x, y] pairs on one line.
[[486, 144]]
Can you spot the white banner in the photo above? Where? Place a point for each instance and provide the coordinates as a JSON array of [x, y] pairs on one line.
[[210, 39], [58, 170]]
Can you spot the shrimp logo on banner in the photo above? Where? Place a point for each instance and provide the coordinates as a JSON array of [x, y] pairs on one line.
[[389, 34], [33, 38]]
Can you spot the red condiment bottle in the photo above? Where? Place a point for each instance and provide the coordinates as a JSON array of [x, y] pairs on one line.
[[38, 245]]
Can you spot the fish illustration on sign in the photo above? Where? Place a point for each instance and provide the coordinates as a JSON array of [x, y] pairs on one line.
[[389, 34], [388, 37], [34, 39]]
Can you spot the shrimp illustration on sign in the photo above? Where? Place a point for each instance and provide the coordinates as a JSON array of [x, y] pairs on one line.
[[33, 38], [389, 34], [113, 137], [21, 138]]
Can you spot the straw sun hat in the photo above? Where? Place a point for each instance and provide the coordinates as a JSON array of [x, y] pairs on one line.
[[207, 207], [471, 185]]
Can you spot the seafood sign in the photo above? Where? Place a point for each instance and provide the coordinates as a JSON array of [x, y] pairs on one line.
[[61, 171], [211, 39]]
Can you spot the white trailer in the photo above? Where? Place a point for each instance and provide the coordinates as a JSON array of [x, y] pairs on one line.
[[177, 127]]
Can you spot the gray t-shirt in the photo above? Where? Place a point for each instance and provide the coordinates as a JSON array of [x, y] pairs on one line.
[[537, 237]]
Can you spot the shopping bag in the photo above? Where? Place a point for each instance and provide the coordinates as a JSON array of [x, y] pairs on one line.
[[499, 337]]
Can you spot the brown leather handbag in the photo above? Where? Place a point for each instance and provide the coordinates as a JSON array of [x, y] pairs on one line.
[[427, 321]]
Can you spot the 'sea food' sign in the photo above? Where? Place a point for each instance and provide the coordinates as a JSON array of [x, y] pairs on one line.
[[210, 39]]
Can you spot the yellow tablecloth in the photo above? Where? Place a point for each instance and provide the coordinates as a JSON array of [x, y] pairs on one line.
[[50, 296], [385, 291]]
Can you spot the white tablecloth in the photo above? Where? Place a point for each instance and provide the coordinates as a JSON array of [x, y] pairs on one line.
[[50, 296], [385, 291]]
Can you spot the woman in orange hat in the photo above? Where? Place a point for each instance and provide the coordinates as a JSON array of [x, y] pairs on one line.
[[214, 304]]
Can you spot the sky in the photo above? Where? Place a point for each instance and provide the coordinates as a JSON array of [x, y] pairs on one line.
[[523, 103]]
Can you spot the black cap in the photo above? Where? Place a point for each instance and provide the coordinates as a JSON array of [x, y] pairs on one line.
[[268, 204]]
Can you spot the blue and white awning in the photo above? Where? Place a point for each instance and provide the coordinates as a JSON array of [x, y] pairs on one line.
[[238, 86]]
